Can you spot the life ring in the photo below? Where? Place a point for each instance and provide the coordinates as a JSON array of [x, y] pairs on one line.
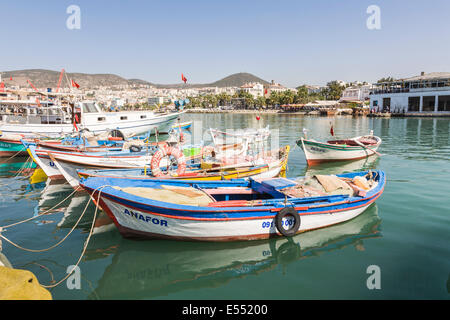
[[279, 221], [164, 151]]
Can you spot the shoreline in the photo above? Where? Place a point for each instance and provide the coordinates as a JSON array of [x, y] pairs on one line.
[[319, 113]]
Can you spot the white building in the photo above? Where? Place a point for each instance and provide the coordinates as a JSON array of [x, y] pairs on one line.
[[356, 93], [425, 93], [158, 100], [256, 89]]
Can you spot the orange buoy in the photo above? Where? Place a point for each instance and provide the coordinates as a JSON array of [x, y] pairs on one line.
[[162, 152]]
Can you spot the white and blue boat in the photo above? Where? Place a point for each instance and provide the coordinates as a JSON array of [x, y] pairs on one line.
[[236, 209]]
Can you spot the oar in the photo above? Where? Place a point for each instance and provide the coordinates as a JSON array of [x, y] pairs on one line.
[[362, 145]]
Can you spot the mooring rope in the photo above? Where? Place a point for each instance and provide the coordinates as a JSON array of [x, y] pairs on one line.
[[87, 240], [14, 155], [46, 212], [100, 189]]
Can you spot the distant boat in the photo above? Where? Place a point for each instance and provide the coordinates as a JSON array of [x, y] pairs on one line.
[[239, 136], [183, 125], [233, 210], [317, 152], [56, 121]]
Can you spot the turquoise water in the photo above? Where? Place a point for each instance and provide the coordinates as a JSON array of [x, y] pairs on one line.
[[405, 233]]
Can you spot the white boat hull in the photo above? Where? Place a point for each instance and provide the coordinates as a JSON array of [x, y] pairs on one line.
[[163, 123], [317, 152], [133, 222]]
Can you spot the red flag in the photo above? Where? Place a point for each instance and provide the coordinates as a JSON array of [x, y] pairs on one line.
[[265, 91], [2, 87], [258, 117], [183, 78], [10, 78], [74, 84], [331, 130]]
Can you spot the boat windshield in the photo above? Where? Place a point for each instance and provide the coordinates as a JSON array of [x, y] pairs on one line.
[[89, 107]]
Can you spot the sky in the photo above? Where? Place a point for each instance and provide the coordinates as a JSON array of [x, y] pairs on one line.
[[291, 42]]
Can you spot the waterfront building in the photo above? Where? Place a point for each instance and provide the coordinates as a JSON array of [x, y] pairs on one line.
[[256, 89], [158, 100], [274, 87], [423, 94], [356, 93]]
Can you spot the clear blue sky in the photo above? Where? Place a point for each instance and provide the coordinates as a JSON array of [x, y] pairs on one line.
[[291, 42]]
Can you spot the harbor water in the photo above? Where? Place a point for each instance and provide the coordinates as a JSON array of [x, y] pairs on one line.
[[399, 248]]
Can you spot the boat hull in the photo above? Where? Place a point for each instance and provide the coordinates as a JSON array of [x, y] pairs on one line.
[[139, 217], [9, 148], [134, 223], [163, 123], [318, 152]]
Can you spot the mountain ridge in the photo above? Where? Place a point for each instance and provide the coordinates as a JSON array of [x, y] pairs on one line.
[[43, 78]]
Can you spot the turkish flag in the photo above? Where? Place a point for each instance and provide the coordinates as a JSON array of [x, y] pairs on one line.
[[265, 91], [2, 87], [183, 78], [74, 84]]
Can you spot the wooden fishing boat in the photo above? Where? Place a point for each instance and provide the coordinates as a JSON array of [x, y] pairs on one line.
[[10, 145], [197, 172], [266, 168], [113, 159], [317, 152], [232, 210]]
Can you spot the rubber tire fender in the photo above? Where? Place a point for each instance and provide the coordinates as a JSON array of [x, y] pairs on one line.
[[135, 148], [279, 220]]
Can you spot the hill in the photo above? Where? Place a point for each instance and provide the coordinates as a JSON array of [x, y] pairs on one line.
[[42, 78], [237, 80], [47, 78]]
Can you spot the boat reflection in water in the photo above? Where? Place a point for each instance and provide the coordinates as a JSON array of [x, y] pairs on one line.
[[60, 197], [17, 166], [148, 269], [343, 166]]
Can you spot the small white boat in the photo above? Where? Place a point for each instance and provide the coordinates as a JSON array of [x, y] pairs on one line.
[[239, 136], [317, 152]]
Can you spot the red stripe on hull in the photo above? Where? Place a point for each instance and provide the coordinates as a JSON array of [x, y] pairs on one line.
[[320, 161], [57, 177]]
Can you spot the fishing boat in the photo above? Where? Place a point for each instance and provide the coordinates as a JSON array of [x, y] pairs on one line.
[[238, 136], [183, 125], [269, 166], [271, 169], [360, 147], [111, 159], [52, 120], [233, 210], [10, 145]]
